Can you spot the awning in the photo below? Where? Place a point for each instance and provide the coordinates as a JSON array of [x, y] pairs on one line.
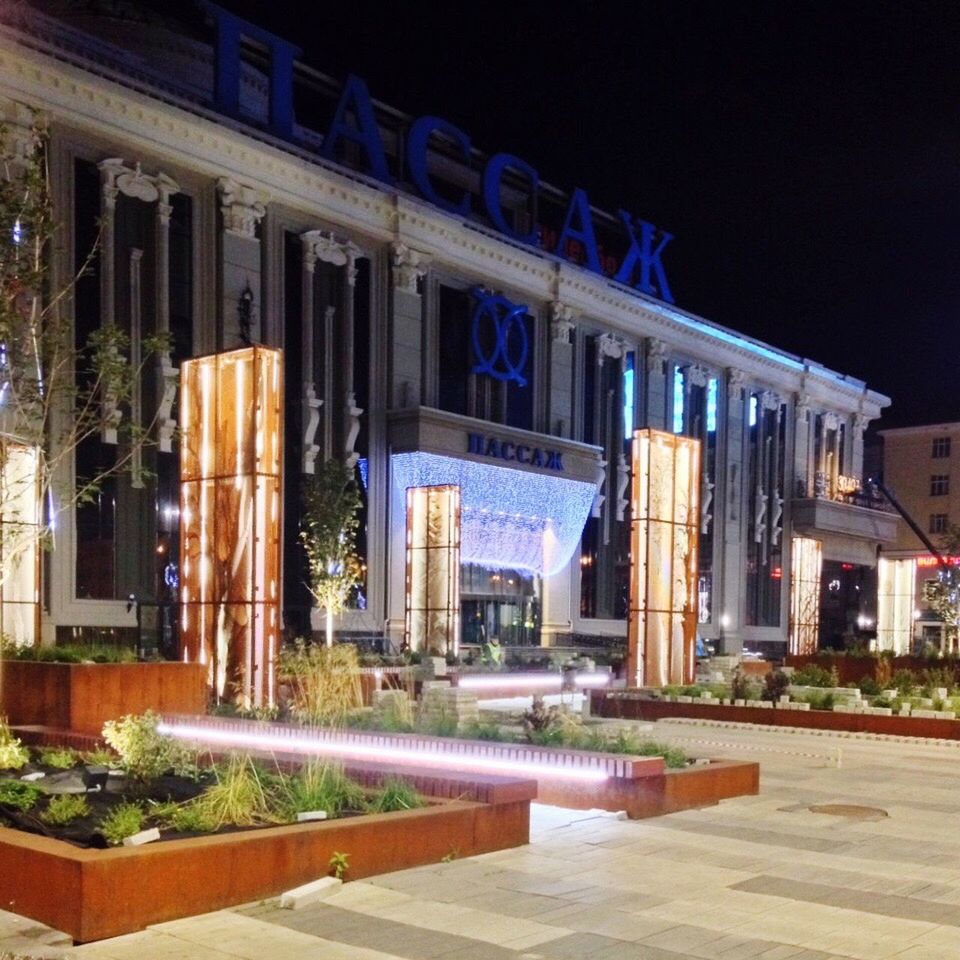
[[513, 519]]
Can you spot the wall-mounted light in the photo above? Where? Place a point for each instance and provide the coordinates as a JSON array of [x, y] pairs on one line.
[[245, 314]]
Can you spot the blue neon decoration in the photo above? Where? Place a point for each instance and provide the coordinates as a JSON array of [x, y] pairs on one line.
[[363, 466], [753, 409], [678, 381], [510, 518], [508, 357], [629, 390], [418, 139], [712, 396]]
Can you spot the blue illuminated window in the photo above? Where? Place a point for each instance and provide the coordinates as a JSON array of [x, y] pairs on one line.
[[753, 410], [677, 400], [629, 391], [712, 392]]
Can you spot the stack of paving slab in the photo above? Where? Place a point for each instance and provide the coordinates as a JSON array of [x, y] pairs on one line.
[[441, 701]]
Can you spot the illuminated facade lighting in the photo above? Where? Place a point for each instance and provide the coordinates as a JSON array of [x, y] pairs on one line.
[[511, 519], [678, 395], [230, 520], [896, 598], [520, 681], [432, 610], [805, 567], [663, 559], [20, 501], [354, 746]]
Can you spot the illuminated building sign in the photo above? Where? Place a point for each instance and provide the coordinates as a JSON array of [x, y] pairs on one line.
[[354, 129], [927, 562], [499, 335], [514, 452]]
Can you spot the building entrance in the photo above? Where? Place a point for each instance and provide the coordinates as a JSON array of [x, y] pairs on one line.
[[501, 604]]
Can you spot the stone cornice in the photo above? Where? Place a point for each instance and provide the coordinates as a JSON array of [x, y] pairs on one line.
[[195, 138]]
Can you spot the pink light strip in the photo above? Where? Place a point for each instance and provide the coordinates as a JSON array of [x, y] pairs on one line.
[[527, 680], [383, 753]]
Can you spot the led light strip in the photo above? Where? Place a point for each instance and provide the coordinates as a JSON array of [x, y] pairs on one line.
[[525, 680], [359, 751]]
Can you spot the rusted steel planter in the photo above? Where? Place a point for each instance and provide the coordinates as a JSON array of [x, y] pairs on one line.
[[94, 894], [630, 709], [81, 697]]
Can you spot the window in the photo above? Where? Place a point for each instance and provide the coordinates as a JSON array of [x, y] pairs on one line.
[[941, 448], [938, 523], [939, 484]]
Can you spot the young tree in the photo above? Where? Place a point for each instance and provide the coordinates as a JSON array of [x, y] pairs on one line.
[[328, 532], [55, 393]]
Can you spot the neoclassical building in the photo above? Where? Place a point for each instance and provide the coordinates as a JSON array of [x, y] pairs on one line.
[[446, 318]]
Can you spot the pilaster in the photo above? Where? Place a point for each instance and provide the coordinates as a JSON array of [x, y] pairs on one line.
[[242, 207]]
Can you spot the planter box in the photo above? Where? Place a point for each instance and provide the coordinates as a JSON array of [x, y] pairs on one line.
[[94, 894], [852, 669], [665, 791], [910, 726], [81, 697]]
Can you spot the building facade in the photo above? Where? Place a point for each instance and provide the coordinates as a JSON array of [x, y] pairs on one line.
[[917, 466], [446, 319]]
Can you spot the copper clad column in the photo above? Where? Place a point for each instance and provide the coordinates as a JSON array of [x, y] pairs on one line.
[[230, 520], [433, 570], [663, 559]]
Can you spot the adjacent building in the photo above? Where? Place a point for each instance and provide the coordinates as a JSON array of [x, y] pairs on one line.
[[447, 319]]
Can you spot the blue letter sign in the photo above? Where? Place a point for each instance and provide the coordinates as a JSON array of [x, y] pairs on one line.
[[579, 209], [355, 99], [492, 175], [647, 258], [499, 337], [417, 141]]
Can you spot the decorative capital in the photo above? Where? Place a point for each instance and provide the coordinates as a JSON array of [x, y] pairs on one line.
[[318, 245], [696, 375], [22, 131], [656, 353], [831, 421], [769, 400], [409, 267], [736, 379], [860, 422], [562, 323], [610, 345], [117, 177], [242, 207], [802, 408]]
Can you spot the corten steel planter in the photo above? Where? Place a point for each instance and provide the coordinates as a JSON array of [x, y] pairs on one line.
[[81, 697], [852, 669], [95, 894], [629, 709]]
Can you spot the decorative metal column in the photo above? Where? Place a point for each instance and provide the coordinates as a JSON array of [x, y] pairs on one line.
[[896, 598], [805, 566], [432, 616], [664, 529], [19, 542], [230, 520]]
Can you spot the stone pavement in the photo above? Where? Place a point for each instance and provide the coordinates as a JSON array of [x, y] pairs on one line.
[[872, 872]]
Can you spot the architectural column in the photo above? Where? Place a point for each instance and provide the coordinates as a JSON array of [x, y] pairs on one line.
[[732, 584], [562, 326], [655, 388], [241, 208], [409, 267], [802, 423], [169, 375], [108, 214], [310, 403], [858, 425]]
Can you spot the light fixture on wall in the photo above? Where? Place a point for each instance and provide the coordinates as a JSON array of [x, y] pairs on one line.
[[245, 314]]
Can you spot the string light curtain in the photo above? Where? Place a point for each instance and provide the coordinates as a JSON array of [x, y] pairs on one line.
[[664, 528], [805, 567], [19, 542], [230, 520], [432, 616]]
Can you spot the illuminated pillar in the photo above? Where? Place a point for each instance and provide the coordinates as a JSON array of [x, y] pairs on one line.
[[805, 566], [663, 559], [432, 616], [896, 598], [230, 520], [19, 543]]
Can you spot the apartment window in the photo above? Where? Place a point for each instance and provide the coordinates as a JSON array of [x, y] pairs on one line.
[[938, 523], [941, 448], [939, 484]]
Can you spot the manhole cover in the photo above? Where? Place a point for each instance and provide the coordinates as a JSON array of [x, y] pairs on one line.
[[850, 810]]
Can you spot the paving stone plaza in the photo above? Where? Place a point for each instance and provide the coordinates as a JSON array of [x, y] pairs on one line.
[[874, 874]]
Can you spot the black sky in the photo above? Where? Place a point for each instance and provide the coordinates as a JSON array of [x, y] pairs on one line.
[[806, 156]]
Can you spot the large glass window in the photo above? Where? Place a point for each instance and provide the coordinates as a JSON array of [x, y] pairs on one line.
[[766, 448]]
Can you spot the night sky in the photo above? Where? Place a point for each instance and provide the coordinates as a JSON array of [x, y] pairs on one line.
[[806, 156]]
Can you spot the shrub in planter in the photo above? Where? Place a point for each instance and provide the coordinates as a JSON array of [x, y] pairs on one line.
[[19, 795], [319, 785], [144, 753], [813, 675], [396, 794], [869, 687], [903, 681], [121, 822], [243, 795], [13, 755], [775, 686], [63, 758], [65, 808]]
